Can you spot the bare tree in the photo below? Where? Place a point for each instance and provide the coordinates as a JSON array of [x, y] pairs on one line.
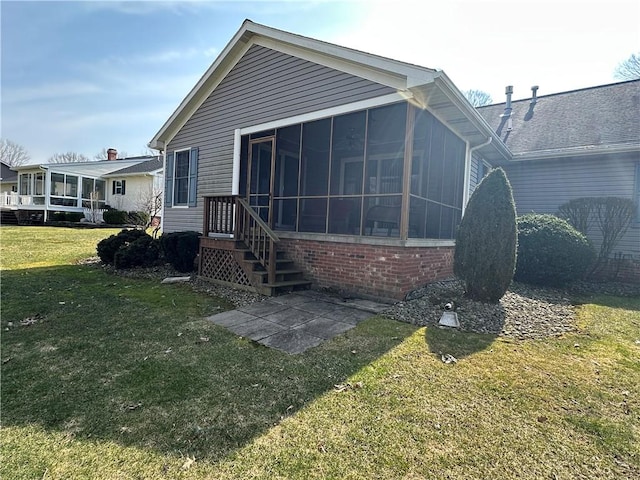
[[628, 69], [13, 154], [478, 98], [68, 157], [150, 202]]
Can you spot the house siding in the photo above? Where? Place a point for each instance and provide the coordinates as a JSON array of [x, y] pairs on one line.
[[137, 192], [265, 85], [542, 186]]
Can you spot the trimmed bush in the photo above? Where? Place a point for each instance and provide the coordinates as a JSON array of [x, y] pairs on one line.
[[485, 254], [115, 217], [108, 247], [142, 252], [58, 216], [74, 216], [180, 249], [138, 218], [551, 252]]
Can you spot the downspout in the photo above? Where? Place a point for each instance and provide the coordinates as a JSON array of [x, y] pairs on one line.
[[467, 172]]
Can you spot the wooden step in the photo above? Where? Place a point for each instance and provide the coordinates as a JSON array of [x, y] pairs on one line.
[[289, 274], [278, 288]]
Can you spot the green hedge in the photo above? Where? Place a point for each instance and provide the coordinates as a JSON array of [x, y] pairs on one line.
[[551, 252], [108, 247], [115, 217], [180, 249]]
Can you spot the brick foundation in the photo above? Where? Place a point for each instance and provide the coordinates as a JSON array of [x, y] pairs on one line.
[[382, 271]]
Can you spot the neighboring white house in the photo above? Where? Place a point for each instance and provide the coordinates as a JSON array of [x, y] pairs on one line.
[[126, 184]]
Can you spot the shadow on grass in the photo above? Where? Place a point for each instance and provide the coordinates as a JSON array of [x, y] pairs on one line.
[[135, 362], [627, 303], [460, 344]]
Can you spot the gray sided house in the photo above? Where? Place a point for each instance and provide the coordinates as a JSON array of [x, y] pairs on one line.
[[581, 143], [302, 161]]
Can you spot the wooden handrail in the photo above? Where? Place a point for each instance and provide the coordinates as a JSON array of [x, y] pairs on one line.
[[232, 215], [257, 235]]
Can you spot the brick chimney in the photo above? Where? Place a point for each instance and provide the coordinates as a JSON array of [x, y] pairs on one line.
[[112, 154]]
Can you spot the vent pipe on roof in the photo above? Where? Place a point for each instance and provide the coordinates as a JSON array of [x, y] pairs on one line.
[[507, 108], [534, 94]]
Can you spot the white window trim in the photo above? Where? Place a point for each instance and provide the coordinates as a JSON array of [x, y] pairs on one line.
[[306, 117]]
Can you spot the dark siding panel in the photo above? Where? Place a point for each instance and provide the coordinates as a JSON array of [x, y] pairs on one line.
[[265, 85], [541, 187]]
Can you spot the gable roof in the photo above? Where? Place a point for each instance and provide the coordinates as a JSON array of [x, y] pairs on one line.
[[6, 174], [92, 169], [153, 165], [593, 120], [430, 88]]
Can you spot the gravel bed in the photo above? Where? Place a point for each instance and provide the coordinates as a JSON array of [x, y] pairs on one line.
[[524, 312]]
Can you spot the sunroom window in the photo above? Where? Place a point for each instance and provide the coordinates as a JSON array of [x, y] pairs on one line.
[[345, 174], [93, 193], [64, 190]]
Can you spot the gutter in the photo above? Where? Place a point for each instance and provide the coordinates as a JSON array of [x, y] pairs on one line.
[[442, 81], [467, 171], [576, 152]]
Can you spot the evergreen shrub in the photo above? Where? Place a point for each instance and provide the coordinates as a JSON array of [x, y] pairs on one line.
[[180, 249], [485, 253], [551, 252]]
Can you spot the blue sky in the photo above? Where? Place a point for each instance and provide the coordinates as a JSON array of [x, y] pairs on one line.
[[82, 76]]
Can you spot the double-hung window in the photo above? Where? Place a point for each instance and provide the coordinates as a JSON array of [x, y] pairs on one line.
[[181, 178]]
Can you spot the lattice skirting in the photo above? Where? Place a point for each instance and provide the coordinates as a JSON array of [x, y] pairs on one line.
[[221, 265]]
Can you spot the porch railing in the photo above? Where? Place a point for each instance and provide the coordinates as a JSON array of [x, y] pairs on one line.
[[11, 199], [232, 215]]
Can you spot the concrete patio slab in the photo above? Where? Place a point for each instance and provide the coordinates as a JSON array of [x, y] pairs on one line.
[[290, 317], [324, 328], [298, 321], [292, 341], [257, 329]]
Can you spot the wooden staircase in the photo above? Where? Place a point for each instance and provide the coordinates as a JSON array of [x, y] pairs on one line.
[[287, 278], [253, 248]]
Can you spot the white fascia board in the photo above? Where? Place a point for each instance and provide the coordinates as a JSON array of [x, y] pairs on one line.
[[448, 88], [381, 70], [226, 60], [344, 58], [328, 112], [327, 59]]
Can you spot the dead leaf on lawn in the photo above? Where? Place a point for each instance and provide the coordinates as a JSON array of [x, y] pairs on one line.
[[6, 360], [188, 463], [348, 386], [28, 321], [448, 358], [132, 406]]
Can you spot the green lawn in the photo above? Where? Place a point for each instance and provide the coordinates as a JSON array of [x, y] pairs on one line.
[[117, 378]]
